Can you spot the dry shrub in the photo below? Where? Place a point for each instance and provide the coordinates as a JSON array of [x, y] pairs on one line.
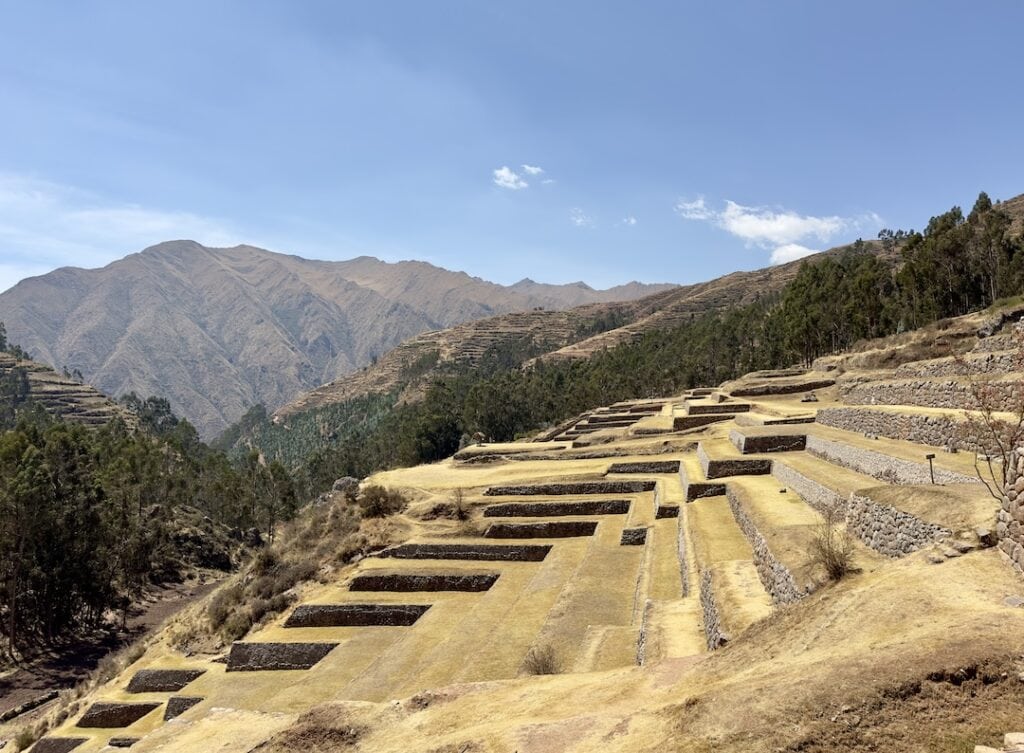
[[542, 660], [379, 502], [832, 547]]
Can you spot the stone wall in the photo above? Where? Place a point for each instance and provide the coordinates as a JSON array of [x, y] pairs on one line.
[[577, 488], [755, 443], [777, 579], [720, 468], [470, 552], [1010, 526], [939, 431], [408, 582], [557, 509], [881, 466], [260, 657], [712, 619], [818, 496], [887, 530], [544, 530], [980, 363], [645, 466], [930, 393], [681, 553]]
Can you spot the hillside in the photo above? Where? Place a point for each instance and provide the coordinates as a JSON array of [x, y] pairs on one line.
[[576, 333], [219, 330], [61, 396], [648, 580]]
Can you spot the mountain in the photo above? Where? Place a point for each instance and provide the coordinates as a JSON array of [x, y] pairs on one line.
[[216, 330], [551, 335]]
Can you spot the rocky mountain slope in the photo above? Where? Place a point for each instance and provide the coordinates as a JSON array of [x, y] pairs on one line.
[[219, 330]]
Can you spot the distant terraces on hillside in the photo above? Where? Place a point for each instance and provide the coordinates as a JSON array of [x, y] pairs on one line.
[[63, 397]]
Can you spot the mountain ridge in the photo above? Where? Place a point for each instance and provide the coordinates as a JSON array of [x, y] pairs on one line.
[[217, 330]]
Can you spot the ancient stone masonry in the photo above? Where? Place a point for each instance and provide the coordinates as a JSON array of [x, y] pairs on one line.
[[257, 657], [818, 496], [122, 742], [681, 423], [557, 509], [58, 744], [881, 466], [701, 410], [472, 552], [1010, 525], [162, 680], [355, 615], [948, 393], [652, 466], [755, 443], [940, 431], [698, 489], [108, 714], [633, 537], [720, 468], [546, 530], [777, 579], [987, 363], [579, 487], [709, 608], [681, 554], [782, 389], [887, 530], [179, 704], [666, 511], [410, 582]]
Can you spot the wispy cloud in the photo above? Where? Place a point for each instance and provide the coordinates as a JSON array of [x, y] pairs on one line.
[[532, 169], [45, 225], [506, 177], [579, 218], [628, 221], [784, 232]]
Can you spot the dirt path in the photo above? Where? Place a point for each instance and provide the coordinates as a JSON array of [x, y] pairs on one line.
[[65, 664]]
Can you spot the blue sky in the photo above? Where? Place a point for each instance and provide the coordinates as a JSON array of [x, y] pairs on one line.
[[659, 141]]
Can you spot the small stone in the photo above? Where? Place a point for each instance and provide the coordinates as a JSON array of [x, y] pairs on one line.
[[936, 559], [964, 546], [1014, 601]]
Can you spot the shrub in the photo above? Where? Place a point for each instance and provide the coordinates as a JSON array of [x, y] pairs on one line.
[[236, 626], [832, 547], [379, 502], [541, 660]]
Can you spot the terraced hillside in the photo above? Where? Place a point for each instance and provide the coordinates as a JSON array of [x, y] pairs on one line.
[[63, 397], [658, 557]]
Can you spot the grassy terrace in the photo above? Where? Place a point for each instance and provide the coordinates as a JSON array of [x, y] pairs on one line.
[[719, 545]]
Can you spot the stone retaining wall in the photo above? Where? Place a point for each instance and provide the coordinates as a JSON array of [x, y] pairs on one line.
[[938, 431], [930, 393], [179, 704], [755, 443], [112, 714], [666, 511], [777, 579], [633, 537], [709, 608], [557, 509], [355, 615], [782, 389], [258, 657], [472, 552], [703, 410], [649, 466], [409, 582], [887, 530], [579, 487], [58, 744], [720, 468], [881, 466], [818, 496], [1010, 525], [547, 530], [982, 363], [680, 423], [162, 680]]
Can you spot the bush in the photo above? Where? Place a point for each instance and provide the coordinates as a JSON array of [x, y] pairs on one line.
[[541, 660], [832, 548], [236, 626], [379, 502]]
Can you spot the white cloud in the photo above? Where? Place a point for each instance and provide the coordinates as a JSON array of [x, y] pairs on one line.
[[629, 221], [506, 177], [548, 181], [791, 252], [783, 231], [579, 218], [532, 169], [45, 225]]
